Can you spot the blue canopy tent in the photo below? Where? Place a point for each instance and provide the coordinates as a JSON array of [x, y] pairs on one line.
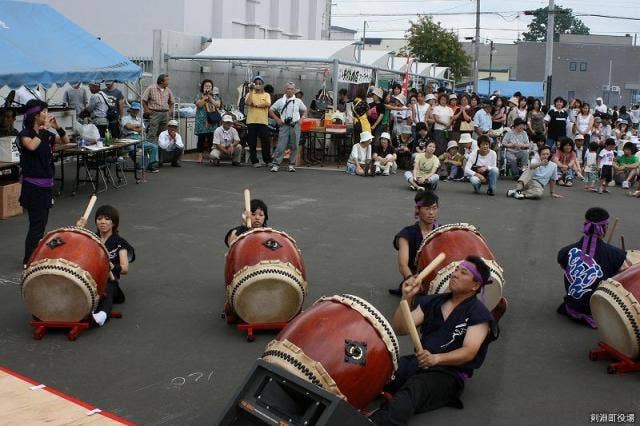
[[38, 45]]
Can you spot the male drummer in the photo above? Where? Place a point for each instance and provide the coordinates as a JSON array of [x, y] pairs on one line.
[[259, 217], [456, 331], [409, 239], [586, 263]]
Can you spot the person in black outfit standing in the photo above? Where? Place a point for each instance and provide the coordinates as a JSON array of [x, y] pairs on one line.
[[556, 122], [35, 143]]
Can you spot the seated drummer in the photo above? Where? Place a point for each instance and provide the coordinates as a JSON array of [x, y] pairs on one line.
[[586, 263], [259, 217], [456, 331], [409, 239], [121, 253]]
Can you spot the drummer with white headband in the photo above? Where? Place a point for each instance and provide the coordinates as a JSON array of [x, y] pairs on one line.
[[455, 336], [586, 263]]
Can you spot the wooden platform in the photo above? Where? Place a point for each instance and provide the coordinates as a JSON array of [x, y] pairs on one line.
[[24, 401]]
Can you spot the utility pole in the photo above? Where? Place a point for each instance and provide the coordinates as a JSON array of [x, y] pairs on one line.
[[326, 21], [476, 48], [490, 65], [548, 63], [364, 34]]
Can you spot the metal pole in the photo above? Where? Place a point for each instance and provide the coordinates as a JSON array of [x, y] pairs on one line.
[[609, 86], [490, 65], [364, 33], [336, 65], [476, 48], [548, 64]]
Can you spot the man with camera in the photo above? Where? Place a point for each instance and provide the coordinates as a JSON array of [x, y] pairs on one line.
[[257, 103], [287, 111]]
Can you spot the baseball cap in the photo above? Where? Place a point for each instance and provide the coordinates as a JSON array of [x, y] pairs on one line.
[[227, 119], [172, 123]]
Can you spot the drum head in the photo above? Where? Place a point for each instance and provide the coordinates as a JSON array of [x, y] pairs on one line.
[[633, 256], [270, 291], [55, 290], [617, 314]]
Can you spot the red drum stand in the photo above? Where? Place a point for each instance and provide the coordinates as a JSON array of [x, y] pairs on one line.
[[75, 328], [232, 318], [622, 364]]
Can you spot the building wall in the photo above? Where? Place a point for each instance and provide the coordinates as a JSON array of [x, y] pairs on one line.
[[127, 25], [504, 57]]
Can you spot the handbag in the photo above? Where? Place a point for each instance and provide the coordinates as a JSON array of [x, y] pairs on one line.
[[466, 126], [213, 117]]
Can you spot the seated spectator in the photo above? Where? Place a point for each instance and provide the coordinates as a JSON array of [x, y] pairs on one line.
[[171, 146], [532, 182], [481, 166], [422, 139], [132, 128], [226, 143], [7, 120], [581, 149], [516, 142], [625, 166], [384, 156], [404, 148], [451, 163], [565, 159], [425, 170], [538, 141], [360, 158]]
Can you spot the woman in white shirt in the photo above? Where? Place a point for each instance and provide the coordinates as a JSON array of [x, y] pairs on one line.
[[442, 116], [360, 158], [583, 124]]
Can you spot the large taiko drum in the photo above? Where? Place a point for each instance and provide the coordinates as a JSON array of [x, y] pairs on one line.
[[341, 343], [265, 276], [615, 306], [67, 274]]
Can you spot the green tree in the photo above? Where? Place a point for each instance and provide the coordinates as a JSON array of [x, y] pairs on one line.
[[429, 42], [565, 23]]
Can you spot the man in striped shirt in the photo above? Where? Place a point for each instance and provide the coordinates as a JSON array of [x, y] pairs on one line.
[[157, 101]]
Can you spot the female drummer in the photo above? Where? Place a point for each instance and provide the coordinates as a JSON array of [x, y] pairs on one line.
[[259, 217], [121, 253], [35, 143]]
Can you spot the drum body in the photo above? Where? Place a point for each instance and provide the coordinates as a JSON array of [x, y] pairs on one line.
[[67, 273], [341, 343], [265, 276], [615, 307]]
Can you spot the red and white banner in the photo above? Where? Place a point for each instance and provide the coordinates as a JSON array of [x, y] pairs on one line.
[[405, 80]]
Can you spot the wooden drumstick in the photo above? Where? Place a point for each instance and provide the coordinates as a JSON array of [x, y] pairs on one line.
[[247, 208], [622, 244], [430, 267], [87, 211], [613, 229], [410, 325]]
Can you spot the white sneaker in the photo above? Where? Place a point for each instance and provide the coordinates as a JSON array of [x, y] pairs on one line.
[[378, 170], [257, 165], [413, 187], [291, 169], [612, 183], [275, 168], [100, 317], [385, 173], [511, 193], [625, 184], [518, 196]]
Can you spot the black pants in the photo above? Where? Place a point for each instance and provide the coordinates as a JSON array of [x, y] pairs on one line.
[[38, 218], [113, 295], [424, 391], [255, 131], [172, 156], [114, 129]]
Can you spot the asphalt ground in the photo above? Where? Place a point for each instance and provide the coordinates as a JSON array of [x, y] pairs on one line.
[[172, 360]]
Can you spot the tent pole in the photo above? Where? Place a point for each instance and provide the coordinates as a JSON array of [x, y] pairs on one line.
[[336, 64]]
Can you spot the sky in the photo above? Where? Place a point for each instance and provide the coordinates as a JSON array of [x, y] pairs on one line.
[[502, 28]]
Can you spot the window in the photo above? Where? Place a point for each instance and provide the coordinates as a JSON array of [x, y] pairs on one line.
[[572, 66], [583, 66]]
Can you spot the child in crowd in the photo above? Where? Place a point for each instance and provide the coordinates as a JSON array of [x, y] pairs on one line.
[[580, 149], [565, 158], [625, 166], [425, 170], [537, 142], [404, 148], [451, 163], [605, 164], [591, 166], [422, 139], [384, 156], [360, 158]]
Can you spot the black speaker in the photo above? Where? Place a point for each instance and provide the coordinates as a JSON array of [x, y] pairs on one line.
[[273, 396]]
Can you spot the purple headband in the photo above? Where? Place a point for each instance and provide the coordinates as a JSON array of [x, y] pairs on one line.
[[424, 203], [34, 110], [473, 270], [592, 231]]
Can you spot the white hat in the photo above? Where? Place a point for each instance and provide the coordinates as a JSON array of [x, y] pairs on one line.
[[401, 98], [172, 123], [466, 138], [227, 119], [579, 136], [378, 92], [452, 144], [430, 96], [453, 96], [365, 137], [386, 136], [599, 99], [514, 100]]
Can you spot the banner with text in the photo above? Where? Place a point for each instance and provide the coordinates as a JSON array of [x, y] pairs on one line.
[[354, 75]]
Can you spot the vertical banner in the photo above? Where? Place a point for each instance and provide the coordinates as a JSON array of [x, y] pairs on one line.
[[405, 80]]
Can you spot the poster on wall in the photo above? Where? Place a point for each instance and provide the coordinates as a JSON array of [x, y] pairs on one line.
[[354, 75]]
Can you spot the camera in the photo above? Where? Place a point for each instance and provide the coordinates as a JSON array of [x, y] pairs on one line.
[[289, 121], [251, 85]]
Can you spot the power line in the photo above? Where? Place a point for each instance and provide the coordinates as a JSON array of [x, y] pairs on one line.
[[357, 15]]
